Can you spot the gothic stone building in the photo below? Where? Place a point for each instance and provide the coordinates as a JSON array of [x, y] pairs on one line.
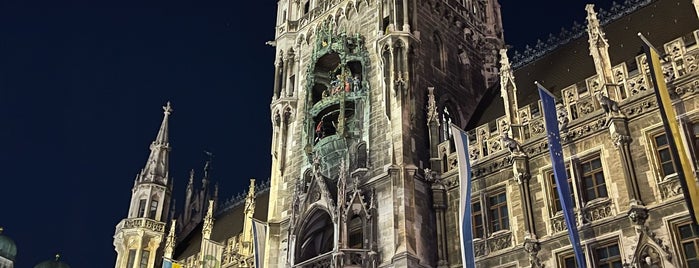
[[364, 170], [363, 165]]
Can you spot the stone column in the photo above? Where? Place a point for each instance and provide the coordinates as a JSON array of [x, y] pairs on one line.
[[439, 204], [520, 168], [285, 71], [277, 78], [433, 128], [619, 132]]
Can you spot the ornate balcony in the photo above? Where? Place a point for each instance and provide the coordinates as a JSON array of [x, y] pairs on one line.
[[147, 223]]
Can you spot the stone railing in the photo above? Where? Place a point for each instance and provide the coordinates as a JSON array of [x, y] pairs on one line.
[[142, 223], [496, 242], [670, 187], [356, 257], [595, 211], [320, 261]]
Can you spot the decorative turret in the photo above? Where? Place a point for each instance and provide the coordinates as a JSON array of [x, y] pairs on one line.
[[139, 235], [170, 241], [208, 221], [508, 92], [246, 236], [599, 50]]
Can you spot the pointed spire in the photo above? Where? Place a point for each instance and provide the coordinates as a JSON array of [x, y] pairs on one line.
[[208, 221], [156, 169], [599, 50], [594, 30], [508, 90], [170, 241], [162, 138], [247, 222]]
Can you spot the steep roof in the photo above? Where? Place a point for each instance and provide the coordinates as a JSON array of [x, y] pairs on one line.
[[227, 223], [660, 21]]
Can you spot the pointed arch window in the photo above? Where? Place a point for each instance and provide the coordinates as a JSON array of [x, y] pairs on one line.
[[445, 122], [439, 53], [316, 236], [356, 232], [306, 7]]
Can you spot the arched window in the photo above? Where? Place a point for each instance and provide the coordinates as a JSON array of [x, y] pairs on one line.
[[438, 54], [355, 228], [445, 122], [306, 7], [316, 236]]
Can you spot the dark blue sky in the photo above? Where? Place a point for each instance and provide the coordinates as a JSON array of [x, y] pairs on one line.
[[81, 90]]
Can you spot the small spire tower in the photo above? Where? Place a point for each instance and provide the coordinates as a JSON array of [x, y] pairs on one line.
[[138, 237]]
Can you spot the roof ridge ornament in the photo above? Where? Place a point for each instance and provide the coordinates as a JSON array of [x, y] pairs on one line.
[[521, 58]]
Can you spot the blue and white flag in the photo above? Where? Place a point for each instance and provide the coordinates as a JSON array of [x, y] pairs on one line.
[[259, 235], [548, 104], [211, 253], [466, 232]]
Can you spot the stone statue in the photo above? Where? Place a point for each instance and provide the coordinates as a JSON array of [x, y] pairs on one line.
[[610, 106], [511, 144]]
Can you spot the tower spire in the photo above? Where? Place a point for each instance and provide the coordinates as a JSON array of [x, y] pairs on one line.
[[170, 241], [156, 169], [208, 221]]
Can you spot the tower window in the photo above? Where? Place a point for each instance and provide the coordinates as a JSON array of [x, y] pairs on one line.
[[306, 7], [131, 259], [144, 258], [153, 209], [141, 208]]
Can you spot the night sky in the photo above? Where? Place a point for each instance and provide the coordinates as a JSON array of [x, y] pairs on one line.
[[81, 91]]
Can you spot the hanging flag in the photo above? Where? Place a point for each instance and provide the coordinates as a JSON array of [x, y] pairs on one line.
[[559, 171], [683, 167], [171, 264], [259, 236], [211, 254], [468, 257]]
